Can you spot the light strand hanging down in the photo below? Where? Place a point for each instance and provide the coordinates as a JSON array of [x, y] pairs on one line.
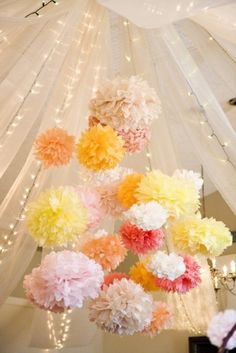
[[44, 4]]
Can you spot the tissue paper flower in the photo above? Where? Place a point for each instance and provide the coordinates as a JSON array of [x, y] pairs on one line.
[[54, 147], [122, 308], [109, 203], [104, 177], [190, 175], [161, 319], [93, 121], [127, 190], [188, 280], [148, 216], [169, 266], [111, 277], [220, 326], [63, 281], [139, 274], [195, 235], [125, 103], [90, 199], [178, 196], [56, 217], [135, 140], [100, 148], [108, 251], [141, 241]]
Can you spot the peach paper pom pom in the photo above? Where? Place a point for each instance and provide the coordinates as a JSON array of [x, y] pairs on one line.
[[108, 200], [127, 189], [110, 278], [141, 241], [189, 280], [135, 140], [161, 320], [139, 274], [108, 251], [54, 147]]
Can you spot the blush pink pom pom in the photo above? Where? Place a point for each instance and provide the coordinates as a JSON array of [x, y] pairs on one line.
[[90, 199], [189, 280], [141, 241], [135, 140], [110, 278], [63, 280]]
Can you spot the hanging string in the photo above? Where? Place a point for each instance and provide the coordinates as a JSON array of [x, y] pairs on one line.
[[203, 194], [44, 4]]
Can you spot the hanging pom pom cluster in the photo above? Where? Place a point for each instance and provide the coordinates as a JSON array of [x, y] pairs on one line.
[[151, 208]]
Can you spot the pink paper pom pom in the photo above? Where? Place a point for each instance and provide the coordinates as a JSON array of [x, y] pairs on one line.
[[63, 280], [109, 202], [109, 279], [219, 328], [189, 280], [135, 140], [90, 199], [141, 241]]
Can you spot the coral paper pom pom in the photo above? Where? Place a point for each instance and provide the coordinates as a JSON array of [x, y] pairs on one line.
[[108, 251], [100, 148], [139, 274], [189, 280], [122, 307], [161, 320], [177, 195], [56, 217], [54, 147], [135, 140], [111, 277], [195, 235], [63, 280], [127, 189], [141, 241]]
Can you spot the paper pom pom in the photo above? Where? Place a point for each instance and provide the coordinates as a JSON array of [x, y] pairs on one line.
[[195, 235], [105, 177], [178, 196], [93, 121], [100, 148], [122, 308], [166, 266], [139, 274], [147, 216], [220, 326], [109, 203], [127, 189], [108, 251], [63, 280], [125, 103], [190, 175], [56, 217], [141, 241], [161, 319], [111, 277], [190, 279], [54, 147], [90, 199], [135, 140]]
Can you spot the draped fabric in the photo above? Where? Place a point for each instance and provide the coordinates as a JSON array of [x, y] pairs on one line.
[[50, 66]]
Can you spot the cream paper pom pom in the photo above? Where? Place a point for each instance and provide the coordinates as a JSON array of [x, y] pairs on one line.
[[190, 175]]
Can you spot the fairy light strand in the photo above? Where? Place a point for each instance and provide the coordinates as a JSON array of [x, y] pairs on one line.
[[44, 4]]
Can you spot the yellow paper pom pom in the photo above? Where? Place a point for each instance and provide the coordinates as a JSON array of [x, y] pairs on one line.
[[100, 148], [195, 235], [127, 190], [56, 217], [178, 196], [139, 274]]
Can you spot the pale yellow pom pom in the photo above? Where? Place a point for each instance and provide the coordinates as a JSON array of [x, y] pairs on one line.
[[100, 148], [56, 217], [195, 235], [177, 196]]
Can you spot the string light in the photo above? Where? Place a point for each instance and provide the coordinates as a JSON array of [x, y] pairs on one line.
[[60, 338], [44, 4]]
